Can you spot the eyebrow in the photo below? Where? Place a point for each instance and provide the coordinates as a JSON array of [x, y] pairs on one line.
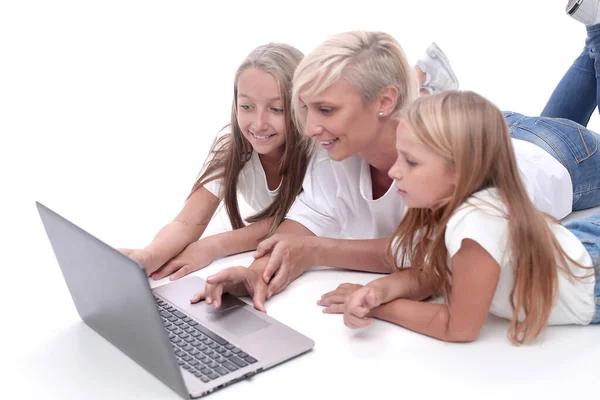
[[278, 98]]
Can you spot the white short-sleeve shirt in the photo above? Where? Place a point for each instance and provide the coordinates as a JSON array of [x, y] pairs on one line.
[[337, 198], [252, 185], [479, 220]]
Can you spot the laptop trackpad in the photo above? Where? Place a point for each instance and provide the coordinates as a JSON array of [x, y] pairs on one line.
[[237, 321]]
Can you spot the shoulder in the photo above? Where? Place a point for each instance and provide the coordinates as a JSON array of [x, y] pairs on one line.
[[482, 218]]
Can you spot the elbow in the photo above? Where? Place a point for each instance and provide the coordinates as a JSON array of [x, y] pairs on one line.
[[463, 336]]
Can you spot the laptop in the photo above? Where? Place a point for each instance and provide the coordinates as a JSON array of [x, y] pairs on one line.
[[192, 348]]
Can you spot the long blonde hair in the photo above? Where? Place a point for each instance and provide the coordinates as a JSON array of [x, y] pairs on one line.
[[231, 152], [369, 61], [471, 134]]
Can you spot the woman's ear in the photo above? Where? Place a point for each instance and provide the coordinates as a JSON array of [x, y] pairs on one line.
[[387, 100]]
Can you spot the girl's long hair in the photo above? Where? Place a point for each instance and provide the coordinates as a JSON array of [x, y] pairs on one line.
[[471, 134], [232, 151]]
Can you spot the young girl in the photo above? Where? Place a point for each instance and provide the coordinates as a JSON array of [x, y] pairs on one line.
[[472, 232], [262, 156]]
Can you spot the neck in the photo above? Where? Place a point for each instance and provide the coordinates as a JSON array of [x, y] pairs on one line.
[[381, 154], [271, 160]]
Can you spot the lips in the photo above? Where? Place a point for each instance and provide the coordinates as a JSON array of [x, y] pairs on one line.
[[262, 137]]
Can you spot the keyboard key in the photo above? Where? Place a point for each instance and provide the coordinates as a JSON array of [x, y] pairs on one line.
[[214, 356], [208, 352], [178, 331], [187, 347], [206, 371], [180, 362], [220, 350], [192, 323], [172, 327], [193, 362], [211, 335], [175, 339], [250, 360], [195, 333], [172, 318], [192, 370], [204, 379], [179, 314], [235, 350], [242, 355], [214, 346], [227, 354], [178, 322], [213, 375], [230, 366], [187, 358], [187, 319], [194, 352], [184, 335], [165, 314], [221, 371], [186, 366], [189, 329], [213, 365], [238, 362], [221, 360], [180, 353], [229, 346], [190, 339]]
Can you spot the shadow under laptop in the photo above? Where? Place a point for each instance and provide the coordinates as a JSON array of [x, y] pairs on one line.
[[79, 363]]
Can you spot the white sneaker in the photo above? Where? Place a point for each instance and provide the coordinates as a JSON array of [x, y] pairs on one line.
[[584, 11], [439, 75]]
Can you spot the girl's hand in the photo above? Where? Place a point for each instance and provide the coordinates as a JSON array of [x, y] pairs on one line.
[[291, 255], [358, 305], [195, 256], [238, 281], [334, 301], [143, 257]]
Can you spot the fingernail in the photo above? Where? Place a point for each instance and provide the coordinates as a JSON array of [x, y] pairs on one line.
[[208, 300]]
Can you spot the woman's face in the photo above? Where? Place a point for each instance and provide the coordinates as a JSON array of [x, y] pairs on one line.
[[260, 113], [339, 120]]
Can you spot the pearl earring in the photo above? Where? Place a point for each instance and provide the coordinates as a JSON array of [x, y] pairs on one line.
[[381, 113]]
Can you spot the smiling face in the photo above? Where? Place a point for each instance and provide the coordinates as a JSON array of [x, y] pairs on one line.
[[339, 120], [422, 176], [260, 113]]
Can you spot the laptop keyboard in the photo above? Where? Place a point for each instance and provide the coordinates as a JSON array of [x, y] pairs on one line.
[[199, 350]]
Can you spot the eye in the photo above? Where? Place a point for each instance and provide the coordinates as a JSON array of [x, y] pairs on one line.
[[326, 110], [245, 107], [277, 110], [411, 163]]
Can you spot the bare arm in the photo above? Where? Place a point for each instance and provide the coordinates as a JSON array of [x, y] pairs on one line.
[[475, 275], [186, 228]]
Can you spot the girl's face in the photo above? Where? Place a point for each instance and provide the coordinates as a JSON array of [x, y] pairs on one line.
[[260, 113], [422, 177], [339, 121]]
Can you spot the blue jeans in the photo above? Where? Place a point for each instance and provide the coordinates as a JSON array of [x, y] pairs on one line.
[[588, 231], [577, 94], [573, 145]]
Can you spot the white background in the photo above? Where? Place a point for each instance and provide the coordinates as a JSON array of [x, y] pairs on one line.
[[107, 109]]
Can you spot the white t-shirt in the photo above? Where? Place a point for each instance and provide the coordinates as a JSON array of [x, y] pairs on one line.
[[252, 185], [477, 220], [546, 180], [337, 199]]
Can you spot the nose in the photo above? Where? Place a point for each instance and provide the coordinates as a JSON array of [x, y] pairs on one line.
[[312, 127], [260, 120], [395, 172]]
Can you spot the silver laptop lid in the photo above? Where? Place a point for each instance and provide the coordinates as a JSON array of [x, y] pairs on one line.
[[112, 296]]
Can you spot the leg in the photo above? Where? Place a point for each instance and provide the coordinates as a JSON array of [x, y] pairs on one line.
[[575, 96], [593, 44], [434, 71], [587, 231], [573, 145]]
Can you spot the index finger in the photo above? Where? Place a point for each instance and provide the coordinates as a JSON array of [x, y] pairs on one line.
[[265, 246]]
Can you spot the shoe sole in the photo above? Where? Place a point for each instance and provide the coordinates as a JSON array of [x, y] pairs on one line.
[[437, 52]]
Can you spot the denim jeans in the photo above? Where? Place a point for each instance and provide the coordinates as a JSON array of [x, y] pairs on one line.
[[573, 145], [577, 94], [588, 231]]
